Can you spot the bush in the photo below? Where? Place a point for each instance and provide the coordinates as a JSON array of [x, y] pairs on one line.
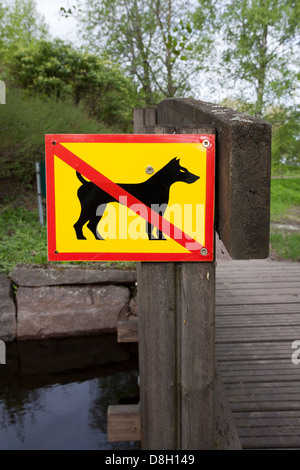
[[24, 123], [57, 70]]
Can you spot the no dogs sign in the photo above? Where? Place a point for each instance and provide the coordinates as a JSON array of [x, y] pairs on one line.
[[130, 197]]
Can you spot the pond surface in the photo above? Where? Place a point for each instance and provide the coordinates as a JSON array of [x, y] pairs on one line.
[[54, 394]]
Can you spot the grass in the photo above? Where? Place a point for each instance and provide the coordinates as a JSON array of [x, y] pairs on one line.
[[25, 121], [285, 171], [23, 239], [286, 244], [285, 195], [285, 210]]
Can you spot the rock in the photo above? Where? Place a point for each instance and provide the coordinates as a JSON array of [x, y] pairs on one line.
[[7, 311], [69, 310], [34, 276]]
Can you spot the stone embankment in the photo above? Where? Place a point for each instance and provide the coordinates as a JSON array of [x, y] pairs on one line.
[[45, 302]]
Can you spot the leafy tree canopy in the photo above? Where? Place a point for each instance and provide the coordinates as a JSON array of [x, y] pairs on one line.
[[153, 40], [260, 48], [20, 26], [57, 70]]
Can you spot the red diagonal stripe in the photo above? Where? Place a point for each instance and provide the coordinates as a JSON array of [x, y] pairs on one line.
[[117, 192]]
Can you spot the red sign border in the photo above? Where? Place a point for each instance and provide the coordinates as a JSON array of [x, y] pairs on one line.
[[52, 139]]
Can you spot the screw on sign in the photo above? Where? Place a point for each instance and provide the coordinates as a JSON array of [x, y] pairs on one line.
[[102, 206]]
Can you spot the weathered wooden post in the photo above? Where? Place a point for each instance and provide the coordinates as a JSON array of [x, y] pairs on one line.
[[176, 301], [243, 167]]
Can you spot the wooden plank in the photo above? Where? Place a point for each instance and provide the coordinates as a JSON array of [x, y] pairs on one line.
[[176, 369], [150, 116], [238, 284], [228, 292], [263, 397], [244, 335], [138, 119], [257, 374], [196, 287], [235, 352], [266, 406], [266, 414], [270, 391], [127, 331], [257, 309], [263, 277], [256, 378], [242, 174], [142, 117], [266, 422], [270, 386], [228, 321], [226, 435], [251, 271], [259, 270], [157, 355], [258, 265], [270, 431], [258, 349], [282, 366], [260, 363], [227, 264], [270, 442], [123, 423], [197, 315], [268, 298]]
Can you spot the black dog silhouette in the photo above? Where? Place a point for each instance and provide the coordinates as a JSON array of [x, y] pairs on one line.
[[153, 192]]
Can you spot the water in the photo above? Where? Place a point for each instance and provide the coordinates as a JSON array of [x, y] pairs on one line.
[[54, 394]]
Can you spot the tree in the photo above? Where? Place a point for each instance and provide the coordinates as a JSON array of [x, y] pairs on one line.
[[286, 131], [260, 50], [57, 70], [21, 26], [153, 40]]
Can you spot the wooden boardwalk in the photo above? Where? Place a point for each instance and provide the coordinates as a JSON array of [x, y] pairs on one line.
[[257, 321]]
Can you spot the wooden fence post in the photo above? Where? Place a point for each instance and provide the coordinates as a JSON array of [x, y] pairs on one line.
[[243, 166], [176, 304], [176, 301]]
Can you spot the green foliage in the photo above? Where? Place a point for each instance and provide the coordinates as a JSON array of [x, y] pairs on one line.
[[57, 70], [285, 210], [23, 238], [20, 26], [285, 137], [260, 48], [24, 123], [152, 40], [286, 244], [285, 193]]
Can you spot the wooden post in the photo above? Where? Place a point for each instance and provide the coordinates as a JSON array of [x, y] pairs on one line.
[[157, 356], [243, 167], [143, 117], [176, 304]]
